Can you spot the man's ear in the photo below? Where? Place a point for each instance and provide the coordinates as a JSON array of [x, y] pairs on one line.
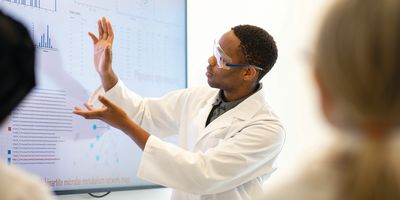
[[250, 73]]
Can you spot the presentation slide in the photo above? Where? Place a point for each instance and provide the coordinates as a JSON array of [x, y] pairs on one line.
[[42, 135]]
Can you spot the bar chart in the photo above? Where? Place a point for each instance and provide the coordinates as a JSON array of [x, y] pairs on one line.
[[43, 37], [50, 5], [45, 40]]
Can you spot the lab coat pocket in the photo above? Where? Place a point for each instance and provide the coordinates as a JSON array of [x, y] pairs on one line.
[[215, 138]]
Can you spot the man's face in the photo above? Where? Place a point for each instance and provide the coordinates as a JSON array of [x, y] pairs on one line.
[[222, 78]]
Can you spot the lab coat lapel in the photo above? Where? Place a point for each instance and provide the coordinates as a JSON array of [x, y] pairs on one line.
[[243, 111], [220, 122], [203, 115]]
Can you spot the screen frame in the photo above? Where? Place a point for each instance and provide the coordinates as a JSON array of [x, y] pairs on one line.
[[105, 189]]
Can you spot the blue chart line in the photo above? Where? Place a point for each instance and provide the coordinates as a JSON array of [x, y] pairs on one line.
[[45, 40], [50, 5]]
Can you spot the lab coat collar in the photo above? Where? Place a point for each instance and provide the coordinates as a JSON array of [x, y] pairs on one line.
[[245, 110]]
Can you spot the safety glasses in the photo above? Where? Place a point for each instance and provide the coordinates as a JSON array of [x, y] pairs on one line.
[[224, 61]]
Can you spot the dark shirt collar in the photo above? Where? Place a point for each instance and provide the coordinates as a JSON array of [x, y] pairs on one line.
[[229, 105]]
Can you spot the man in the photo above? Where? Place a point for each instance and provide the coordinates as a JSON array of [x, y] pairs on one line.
[[17, 55], [228, 135]]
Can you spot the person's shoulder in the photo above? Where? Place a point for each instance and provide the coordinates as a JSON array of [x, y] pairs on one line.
[[18, 184], [301, 188], [264, 110], [315, 178]]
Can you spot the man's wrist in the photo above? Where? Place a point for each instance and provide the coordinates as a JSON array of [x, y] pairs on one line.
[[107, 74], [109, 80], [126, 124], [135, 132]]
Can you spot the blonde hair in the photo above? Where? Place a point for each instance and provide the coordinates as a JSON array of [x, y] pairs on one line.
[[358, 61], [357, 55]]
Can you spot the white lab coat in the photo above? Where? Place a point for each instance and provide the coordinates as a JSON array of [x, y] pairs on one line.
[[229, 159]]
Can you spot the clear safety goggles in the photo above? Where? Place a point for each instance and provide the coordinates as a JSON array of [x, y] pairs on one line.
[[224, 61]]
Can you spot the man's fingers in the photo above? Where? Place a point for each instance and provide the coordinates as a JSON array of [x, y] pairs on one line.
[[106, 102], [88, 114], [88, 106], [76, 108], [110, 32], [105, 29], [85, 115], [100, 27], [94, 38]]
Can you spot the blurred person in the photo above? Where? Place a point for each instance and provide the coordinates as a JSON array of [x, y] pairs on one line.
[[17, 55], [357, 71], [229, 137]]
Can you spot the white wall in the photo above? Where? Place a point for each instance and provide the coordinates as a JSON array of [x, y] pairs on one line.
[[289, 86]]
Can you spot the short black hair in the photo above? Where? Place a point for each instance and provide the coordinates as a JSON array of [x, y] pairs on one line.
[[17, 59], [257, 47]]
